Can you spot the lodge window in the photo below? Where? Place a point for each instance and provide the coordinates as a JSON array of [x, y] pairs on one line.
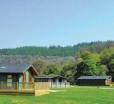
[[9, 80], [9, 76], [3, 78]]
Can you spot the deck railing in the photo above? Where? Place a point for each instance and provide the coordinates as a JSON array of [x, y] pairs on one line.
[[23, 86], [16, 85], [37, 89], [41, 85]]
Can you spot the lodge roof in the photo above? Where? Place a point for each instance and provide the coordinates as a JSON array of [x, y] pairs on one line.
[[94, 77], [15, 68], [49, 76]]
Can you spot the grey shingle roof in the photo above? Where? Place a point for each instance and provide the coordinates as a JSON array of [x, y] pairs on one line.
[[49, 76], [94, 77], [14, 68]]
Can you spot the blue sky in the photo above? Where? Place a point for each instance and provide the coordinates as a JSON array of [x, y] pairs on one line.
[[55, 22]]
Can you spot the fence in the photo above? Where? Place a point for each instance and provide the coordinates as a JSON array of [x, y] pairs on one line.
[[59, 85]]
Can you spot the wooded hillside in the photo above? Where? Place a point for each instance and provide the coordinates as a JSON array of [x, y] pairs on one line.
[[58, 50]]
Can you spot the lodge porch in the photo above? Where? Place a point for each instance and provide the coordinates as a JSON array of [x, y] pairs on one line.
[[15, 88]]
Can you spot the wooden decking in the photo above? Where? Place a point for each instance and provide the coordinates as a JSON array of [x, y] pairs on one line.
[[17, 92], [26, 89]]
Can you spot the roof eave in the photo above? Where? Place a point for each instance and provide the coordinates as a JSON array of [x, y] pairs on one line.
[[29, 67]]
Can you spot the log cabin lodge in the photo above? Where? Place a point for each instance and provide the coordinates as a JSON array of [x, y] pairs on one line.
[[54, 81], [17, 78], [94, 81]]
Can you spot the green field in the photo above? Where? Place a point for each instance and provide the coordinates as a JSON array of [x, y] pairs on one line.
[[74, 95]]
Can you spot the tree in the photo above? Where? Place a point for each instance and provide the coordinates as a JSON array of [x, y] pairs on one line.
[[69, 71], [106, 55], [39, 66], [52, 69], [102, 70], [107, 58], [88, 66]]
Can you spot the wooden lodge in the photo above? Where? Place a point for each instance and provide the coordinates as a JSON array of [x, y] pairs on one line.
[[54, 81], [94, 80], [19, 79]]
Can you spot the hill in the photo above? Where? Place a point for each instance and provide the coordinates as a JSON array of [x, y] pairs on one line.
[[57, 50]]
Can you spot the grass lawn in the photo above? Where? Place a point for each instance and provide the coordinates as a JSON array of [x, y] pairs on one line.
[[81, 95]]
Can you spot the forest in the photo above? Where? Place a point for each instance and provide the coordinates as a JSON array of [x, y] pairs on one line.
[[57, 50], [94, 59]]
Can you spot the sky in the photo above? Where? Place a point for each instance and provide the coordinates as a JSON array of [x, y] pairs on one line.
[[55, 22]]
